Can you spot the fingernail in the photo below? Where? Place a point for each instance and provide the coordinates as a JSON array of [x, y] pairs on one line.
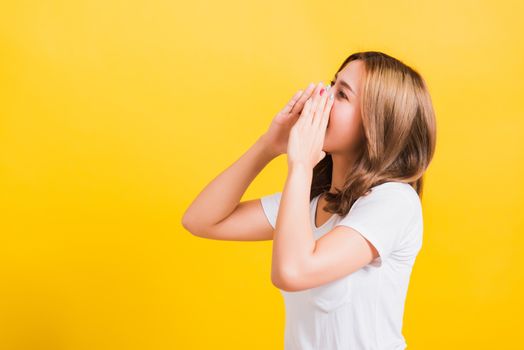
[[321, 92], [328, 87], [331, 96]]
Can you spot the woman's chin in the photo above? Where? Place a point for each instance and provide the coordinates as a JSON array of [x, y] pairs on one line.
[[325, 146]]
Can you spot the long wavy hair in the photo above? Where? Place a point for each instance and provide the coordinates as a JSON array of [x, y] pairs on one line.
[[399, 129]]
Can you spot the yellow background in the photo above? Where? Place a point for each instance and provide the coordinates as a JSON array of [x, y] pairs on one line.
[[115, 114]]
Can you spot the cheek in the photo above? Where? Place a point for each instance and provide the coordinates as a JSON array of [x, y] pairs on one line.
[[344, 124], [343, 119]]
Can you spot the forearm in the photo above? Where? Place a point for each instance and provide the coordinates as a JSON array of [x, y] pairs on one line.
[[293, 242], [221, 196]]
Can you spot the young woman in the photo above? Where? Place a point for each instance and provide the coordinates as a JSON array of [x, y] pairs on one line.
[[347, 226]]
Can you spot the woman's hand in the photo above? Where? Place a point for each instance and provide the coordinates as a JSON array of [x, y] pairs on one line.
[[306, 137], [276, 137]]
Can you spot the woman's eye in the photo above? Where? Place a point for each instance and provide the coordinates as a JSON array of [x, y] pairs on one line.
[[340, 93]]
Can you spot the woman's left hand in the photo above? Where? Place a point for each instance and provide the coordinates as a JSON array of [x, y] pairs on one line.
[[306, 137]]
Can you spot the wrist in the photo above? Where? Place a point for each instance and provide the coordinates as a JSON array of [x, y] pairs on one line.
[[266, 147], [299, 166]]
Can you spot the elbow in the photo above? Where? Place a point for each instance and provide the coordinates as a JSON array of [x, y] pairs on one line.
[[285, 279], [185, 222], [194, 226], [189, 226]]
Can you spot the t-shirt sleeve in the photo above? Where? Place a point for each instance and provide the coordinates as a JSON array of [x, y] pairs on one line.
[[270, 204], [381, 217]]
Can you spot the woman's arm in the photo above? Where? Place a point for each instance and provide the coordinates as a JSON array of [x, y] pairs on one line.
[[222, 195]]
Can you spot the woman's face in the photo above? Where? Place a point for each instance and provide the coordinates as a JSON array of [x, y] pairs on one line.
[[344, 129]]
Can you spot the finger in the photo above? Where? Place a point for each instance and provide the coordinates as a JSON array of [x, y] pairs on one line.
[[289, 106], [316, 97], [317, 112], [302, 100], [304, 115], [327, 110]]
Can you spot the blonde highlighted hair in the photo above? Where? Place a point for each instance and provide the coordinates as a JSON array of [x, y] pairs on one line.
[[399, 129]]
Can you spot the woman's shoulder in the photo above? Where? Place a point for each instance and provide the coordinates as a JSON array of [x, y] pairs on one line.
[[396, 186], [401, 191]]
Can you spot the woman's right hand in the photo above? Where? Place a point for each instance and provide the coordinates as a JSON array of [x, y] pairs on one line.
[[276, 137]]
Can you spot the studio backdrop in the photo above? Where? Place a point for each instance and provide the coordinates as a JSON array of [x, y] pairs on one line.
[[115, 114]]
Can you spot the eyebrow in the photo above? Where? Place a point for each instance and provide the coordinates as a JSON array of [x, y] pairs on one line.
[[346, 85]]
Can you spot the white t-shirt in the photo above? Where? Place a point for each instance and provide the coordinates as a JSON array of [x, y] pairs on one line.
[[363, 310]]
